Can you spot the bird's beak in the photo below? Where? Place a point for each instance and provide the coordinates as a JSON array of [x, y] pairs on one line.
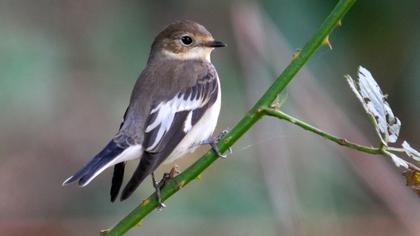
[[215, 44]]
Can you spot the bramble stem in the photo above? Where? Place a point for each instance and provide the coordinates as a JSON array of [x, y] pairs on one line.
[[191, 173], [381, 150], [310, 128]]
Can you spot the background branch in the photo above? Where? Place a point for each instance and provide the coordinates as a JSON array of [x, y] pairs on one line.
[[243, 125], [382, 150], [340, 141]]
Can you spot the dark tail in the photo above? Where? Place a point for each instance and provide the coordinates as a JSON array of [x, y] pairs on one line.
[[117, 180], [147, 165], [91, 169]]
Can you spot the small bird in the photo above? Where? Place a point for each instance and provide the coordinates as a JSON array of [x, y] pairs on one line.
[[173, 108]]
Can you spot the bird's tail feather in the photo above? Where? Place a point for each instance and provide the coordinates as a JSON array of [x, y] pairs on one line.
[[145, 167], [96, 165], [117, 180]]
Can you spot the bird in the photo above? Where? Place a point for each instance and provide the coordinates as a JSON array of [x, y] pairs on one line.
[[173, 108]]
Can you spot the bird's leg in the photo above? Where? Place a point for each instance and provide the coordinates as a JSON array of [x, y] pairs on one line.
[[156, 185], [214, 141], [168, 176], [159, 185]]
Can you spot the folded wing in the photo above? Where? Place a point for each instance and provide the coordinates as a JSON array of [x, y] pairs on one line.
[[168, 123]]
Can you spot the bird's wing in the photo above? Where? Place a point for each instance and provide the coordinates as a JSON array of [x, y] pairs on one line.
[[168, 123], [176, 116]]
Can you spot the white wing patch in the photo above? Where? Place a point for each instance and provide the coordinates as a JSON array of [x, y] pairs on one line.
[[188, 122], [166, 113]]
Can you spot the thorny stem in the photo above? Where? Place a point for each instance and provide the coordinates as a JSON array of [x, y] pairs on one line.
[[394, 149], [310, 128], [192, 172], [413, 167], [381, 150]]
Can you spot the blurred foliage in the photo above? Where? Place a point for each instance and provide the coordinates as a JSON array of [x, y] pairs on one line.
[[413, 180]]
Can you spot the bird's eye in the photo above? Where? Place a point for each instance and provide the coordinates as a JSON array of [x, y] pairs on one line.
[[186, 40]]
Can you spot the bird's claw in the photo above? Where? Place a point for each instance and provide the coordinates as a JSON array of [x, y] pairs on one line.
[[168, 176], [216, 150], [221, 135], [213, 143], [160, 206], [159, 185]]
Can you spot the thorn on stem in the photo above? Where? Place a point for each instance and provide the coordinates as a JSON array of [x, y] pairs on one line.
[[181, 184], [145, 202], [296, 53], [103, 232], [327, 42], [342, 141], [198, 177], [139, 223]]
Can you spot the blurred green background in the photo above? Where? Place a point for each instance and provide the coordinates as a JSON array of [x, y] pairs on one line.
[[66, 73]]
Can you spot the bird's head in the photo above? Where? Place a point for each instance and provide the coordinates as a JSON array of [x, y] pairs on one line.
[[185, 40]]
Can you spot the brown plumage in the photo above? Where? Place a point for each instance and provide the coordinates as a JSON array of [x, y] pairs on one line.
[[168, 38], [173, 108]]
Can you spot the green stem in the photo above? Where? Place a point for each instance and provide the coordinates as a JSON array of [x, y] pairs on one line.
[[381, 150], [310, 128], [242, 126], [394, 149]]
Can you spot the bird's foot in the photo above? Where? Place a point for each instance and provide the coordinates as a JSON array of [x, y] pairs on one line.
[[213, 142], [169, 176], [156, 185], [159, 185]]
